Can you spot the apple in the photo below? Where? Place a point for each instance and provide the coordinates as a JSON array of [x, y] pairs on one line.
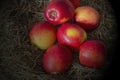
[[57, 59], [92, 53], [72, 35], [59, 11], [88, 17], [43, 35], [75, 3]]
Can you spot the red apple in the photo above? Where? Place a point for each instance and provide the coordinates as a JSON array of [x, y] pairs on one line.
[[59, 11], [57, 59], [88, 17], [75, 3], [43, 35], [71, 35], [92, 53]]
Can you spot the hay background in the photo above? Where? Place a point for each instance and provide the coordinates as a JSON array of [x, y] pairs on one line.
[[19, 60]]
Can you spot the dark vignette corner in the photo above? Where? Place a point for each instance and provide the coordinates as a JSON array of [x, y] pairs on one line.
[[112, 71]]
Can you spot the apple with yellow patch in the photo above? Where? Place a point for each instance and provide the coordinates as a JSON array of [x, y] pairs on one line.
[[88, 17], [72, 35], [43, 35], [59, 11]]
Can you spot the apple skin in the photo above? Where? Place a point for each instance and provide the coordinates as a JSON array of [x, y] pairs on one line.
[[71, 35], [59, 11], [92, 53], [43, 35], [75, 3], [57, 59], [88, 17]]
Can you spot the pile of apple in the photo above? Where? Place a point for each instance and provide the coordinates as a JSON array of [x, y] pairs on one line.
[[65, 32]]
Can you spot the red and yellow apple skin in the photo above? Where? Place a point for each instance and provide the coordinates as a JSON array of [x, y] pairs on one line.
[[43, 35], [88, 17], [92, 53], [71, 35], [57, 59], [59, 11]]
